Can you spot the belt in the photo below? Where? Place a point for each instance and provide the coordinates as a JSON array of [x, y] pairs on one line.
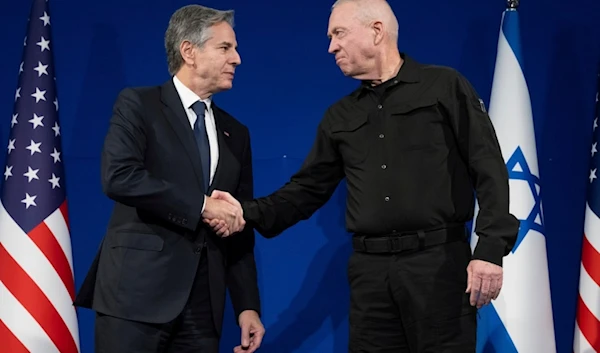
[[406, 241]]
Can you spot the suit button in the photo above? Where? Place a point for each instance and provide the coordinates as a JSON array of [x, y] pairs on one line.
[[198, 250], [184, 221]]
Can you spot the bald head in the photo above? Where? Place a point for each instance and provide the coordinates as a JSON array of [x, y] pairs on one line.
[[369, 11], [364, 38]]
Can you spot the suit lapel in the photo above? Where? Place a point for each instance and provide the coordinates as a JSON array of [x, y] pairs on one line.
[[176, 116], [226, 157]]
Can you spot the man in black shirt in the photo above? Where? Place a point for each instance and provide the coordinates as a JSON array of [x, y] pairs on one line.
[[413, 142]]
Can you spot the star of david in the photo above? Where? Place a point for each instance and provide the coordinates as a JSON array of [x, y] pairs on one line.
[[518, 169]]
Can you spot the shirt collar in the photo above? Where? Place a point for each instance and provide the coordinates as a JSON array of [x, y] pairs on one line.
[[187, 96], [409, 73]]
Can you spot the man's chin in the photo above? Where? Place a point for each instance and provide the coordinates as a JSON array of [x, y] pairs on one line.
[[351, 74], [345, 72], [224, 86]]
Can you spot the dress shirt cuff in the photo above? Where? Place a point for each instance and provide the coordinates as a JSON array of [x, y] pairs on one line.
[[203, 205], [239, 311], [490, 250]]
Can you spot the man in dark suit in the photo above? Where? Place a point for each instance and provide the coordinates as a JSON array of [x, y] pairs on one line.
[[158, 282]]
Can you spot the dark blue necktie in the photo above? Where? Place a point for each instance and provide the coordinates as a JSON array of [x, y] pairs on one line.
[[202, 141]]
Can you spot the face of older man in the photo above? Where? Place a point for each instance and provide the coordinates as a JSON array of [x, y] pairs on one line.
[[351, 41], [216, 61]]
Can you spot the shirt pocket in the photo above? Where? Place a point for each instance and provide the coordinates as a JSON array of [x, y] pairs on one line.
[[419, 124], [353, 139]]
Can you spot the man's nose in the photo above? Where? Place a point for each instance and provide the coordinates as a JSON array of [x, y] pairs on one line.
[[333, 47], [237, 59]]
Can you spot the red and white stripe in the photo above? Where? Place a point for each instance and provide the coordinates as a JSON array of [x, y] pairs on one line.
[[587, 328], [37, 286]]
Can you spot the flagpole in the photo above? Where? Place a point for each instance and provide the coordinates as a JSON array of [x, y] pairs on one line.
[[512, 4]]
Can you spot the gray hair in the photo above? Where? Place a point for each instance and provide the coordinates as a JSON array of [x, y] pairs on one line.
[[369, 10], [191, 23]]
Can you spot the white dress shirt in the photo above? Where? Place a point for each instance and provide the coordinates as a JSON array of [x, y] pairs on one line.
[[188, 98]]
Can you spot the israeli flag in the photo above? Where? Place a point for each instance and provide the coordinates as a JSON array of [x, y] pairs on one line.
[[520, 319]]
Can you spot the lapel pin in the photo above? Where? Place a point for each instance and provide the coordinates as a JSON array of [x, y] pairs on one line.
[[226, 133]]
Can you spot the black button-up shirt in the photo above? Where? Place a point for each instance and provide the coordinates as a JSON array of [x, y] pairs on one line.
[[413, 150]]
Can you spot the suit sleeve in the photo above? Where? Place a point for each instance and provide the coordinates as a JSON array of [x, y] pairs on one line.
[[241, 274], [124, 176], [309, 189], [496, 227]]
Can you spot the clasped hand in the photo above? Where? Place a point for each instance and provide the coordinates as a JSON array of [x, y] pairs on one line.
[[223, 213]]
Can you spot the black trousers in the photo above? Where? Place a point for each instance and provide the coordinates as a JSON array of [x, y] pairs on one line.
[[413, 302], [193, 331]]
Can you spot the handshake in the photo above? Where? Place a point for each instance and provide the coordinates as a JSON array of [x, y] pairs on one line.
[[223, 213]]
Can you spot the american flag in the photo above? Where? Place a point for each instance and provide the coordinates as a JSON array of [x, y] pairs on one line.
[[36, 267], [587, 326]]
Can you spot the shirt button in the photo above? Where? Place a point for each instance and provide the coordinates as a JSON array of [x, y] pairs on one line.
[[383, 166], [387, 198], [380, 106], [381, 136]]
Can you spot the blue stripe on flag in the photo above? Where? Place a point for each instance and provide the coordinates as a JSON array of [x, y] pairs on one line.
[[511, 30], [497, 339]]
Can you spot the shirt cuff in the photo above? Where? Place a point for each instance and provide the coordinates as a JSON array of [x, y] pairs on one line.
[[203, 205], [251, 212], [490, 250]]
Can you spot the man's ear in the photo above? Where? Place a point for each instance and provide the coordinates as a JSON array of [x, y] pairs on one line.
[[378, 31], [186, 49]]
